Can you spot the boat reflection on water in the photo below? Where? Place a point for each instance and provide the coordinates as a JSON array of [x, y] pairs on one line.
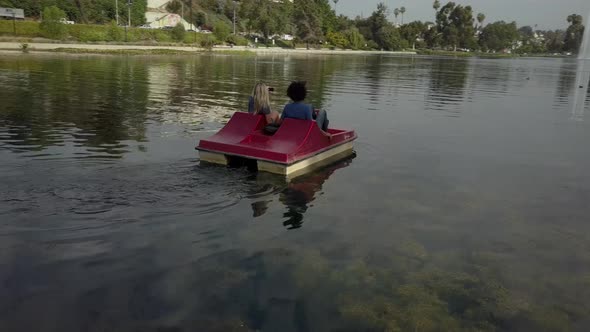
[[297, 194]]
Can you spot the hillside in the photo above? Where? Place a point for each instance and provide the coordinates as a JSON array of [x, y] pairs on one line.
[[104, 11]]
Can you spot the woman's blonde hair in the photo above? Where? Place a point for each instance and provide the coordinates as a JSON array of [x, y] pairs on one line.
[[261, 97]]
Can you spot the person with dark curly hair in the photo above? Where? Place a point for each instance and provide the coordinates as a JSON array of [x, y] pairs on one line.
[[297, 91]]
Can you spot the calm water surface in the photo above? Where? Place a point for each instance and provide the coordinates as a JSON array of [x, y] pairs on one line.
[[466, 207]]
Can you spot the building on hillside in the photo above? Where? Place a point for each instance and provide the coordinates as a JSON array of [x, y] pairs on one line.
[[157, 17], [12, 14], [539, 37]]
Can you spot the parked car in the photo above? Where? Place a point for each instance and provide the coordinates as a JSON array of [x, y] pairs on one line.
[[64, 21], [168, 27], [206, 31], [145, 26]]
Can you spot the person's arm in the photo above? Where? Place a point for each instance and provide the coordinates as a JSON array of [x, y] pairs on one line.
[[250, 105], [309, 114]]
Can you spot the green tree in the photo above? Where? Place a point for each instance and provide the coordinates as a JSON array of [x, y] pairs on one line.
[[200, 19], [343, 23], [307, 20], [51, 26], [554, 40], [414, 33], [355, 39], [526, 32], [228, 9], [364, 27], [432, 37], [267, 17], [376, 22], [436, 5], [480, 18], [138, 9], [178, 32], [574, 34], [499, 36], [337, 39], [455, 23], [527, 38], [221, 31], [327, 15], [389, 38], [85, 11], [285, 18], [463, 20], [174, 6], [264, 17]]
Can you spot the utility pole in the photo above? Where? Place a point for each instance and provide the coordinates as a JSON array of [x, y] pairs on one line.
[[129, 12], [234, 17], [193, 22], [14, 22], [117, 11], [182, 10]]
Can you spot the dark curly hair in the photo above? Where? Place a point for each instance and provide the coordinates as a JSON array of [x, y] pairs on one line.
[[297, 91]]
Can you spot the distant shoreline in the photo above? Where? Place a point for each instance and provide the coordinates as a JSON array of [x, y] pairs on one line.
[[134, 49], [169, 49]]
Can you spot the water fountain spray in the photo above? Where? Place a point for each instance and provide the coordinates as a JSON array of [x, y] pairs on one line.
[[583, 74]]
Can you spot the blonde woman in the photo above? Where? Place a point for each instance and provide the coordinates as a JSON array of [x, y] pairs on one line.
[[259, 103]]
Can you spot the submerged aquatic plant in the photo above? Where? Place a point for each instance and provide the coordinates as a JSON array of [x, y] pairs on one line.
[[402, 291]]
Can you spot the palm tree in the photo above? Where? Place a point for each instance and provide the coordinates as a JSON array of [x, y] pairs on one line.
[[436, 5], [574, 19], [480, 18], [402, 11], [396, 13]]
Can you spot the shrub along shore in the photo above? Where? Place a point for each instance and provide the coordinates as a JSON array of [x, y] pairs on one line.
[[76, 34], [86, 33]]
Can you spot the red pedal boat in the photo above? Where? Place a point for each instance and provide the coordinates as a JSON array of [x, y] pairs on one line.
[[296, 147]]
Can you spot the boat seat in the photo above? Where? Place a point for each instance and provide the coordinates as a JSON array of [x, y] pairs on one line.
[[270, 129]]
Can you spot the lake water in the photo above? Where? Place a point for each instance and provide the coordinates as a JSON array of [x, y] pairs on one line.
[[465, 208]]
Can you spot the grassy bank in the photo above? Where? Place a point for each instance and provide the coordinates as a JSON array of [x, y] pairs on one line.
[[122, 51], [104, 34], [146, 51]]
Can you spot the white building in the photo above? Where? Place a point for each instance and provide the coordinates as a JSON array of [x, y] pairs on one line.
[[157, 17]]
